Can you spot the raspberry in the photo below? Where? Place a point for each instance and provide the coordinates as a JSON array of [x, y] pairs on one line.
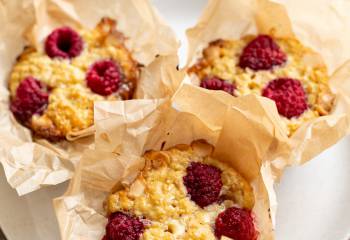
[[215, 83], [63, 42], [235, 223], [262, 54], [104, 77], [121, 226], [203, 183], [31, 98], [289, 96]]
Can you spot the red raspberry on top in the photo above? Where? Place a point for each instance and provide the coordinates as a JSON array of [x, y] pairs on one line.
[[262, 54], [203, 183], [63, 42], [31, 98], [289, 96], [235, 223], [104, 77], [215, 83], [121, 226]]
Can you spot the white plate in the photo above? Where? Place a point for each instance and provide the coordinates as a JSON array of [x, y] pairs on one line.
[[314, 200]]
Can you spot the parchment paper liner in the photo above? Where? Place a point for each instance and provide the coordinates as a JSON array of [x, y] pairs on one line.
[[31, 164], [234, 19], [242, 130]]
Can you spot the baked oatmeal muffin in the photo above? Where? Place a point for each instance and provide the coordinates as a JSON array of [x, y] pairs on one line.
[[282, 69], [53, 89], [183, 193]]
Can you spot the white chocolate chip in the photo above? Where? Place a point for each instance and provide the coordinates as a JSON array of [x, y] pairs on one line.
[[137, 189]]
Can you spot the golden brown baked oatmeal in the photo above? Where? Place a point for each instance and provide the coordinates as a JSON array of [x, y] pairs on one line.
[[53, 89], [182, 193], [292, 75]]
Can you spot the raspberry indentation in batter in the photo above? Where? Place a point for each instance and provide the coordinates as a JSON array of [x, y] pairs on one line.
[[289, 96], [203, 183], [31, 98], [63, 42], [104, 77], [215, 83], [235, 223], [121, 226], [262, 53]]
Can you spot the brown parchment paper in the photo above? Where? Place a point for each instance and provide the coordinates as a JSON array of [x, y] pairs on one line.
[[240, 129], [30, 164], [324, 29]]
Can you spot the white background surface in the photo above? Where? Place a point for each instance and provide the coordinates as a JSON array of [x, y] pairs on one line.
[[314, 200]]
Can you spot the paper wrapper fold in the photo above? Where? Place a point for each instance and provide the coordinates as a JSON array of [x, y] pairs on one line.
[[234, 19], [242, 130], [30, 164]]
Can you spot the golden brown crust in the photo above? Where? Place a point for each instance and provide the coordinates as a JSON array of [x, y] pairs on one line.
[[44, 128], [70, 107], [159, 195], [221, 58]]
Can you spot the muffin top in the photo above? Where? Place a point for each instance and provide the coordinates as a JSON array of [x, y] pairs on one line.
[[281, 69], [53, 89], [183, 194]]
